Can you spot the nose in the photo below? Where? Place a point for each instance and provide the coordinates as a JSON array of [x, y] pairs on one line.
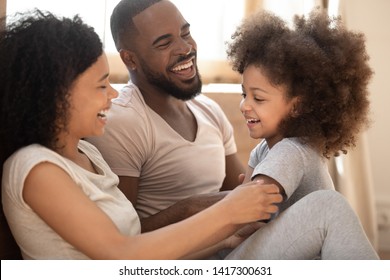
[[183, 48], [245, 106], [112, 93]]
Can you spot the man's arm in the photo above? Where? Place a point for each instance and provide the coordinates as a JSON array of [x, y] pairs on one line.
[[175, 213], [233, 170], [129, 186]]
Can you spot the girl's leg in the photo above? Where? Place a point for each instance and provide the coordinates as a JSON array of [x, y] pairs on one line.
[[321, 224]]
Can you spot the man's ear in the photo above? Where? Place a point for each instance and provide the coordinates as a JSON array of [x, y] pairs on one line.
[[128, 58]]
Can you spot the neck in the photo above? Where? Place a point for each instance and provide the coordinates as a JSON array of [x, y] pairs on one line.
[[160, 101], [68, 147]]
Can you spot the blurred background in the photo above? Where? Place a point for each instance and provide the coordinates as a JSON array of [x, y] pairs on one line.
[[363, 175]]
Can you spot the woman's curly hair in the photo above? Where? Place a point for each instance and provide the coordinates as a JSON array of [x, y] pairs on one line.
[[321, 63], [41, 56]]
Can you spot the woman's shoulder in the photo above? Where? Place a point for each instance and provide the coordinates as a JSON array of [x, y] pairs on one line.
[[19, 165], [27, 157], [33, 151]]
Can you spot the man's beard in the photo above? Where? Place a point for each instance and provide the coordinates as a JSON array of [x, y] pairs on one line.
[[158, 80]]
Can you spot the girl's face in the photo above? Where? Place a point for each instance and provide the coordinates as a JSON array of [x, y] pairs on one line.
[[90, 99], [264, 105]]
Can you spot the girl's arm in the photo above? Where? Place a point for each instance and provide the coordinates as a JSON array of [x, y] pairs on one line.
[[268, 180], [264, 179], [54, 196]]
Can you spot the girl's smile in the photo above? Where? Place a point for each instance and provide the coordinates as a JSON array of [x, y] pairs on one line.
[[264, 105]]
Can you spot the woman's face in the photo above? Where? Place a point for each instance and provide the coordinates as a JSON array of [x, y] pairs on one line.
[[90, 99], [264, 105]]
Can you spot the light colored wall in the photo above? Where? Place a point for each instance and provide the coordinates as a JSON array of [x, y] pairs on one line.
[[2, 7], [372, 18], [229, 102]]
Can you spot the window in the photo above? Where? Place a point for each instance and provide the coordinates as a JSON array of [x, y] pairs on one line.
[[92, 11], [212, 22], [288, 8]]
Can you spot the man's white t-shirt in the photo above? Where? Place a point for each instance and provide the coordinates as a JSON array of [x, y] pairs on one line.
[[138, 143]]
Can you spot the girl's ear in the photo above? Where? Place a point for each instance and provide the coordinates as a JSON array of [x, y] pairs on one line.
[[296, 107], [128, 58]]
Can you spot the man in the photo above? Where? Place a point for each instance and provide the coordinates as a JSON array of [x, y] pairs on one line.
[[173, 150]]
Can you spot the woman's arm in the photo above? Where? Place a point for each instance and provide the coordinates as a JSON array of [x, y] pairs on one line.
[[242, 233], [80, 222], [268, 180]]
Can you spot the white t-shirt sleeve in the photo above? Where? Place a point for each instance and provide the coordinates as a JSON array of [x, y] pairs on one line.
[[127, 142]]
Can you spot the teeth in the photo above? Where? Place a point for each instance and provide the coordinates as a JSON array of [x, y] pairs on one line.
[[183, 66], [252, 120], [102, 113]]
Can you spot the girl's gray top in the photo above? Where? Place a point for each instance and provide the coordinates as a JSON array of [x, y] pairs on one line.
[[296, 166]]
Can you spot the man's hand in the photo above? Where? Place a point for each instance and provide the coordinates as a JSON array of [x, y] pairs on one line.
[[241, 234], [241, 178]]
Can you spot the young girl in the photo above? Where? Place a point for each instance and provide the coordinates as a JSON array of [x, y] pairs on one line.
[[61, 199], [304, 93]]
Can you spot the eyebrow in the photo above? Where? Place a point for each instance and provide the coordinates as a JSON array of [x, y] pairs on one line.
[[103, 77], [254, 89], [165, 36]]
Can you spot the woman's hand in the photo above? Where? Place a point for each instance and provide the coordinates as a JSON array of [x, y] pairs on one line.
[[252, 201]]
